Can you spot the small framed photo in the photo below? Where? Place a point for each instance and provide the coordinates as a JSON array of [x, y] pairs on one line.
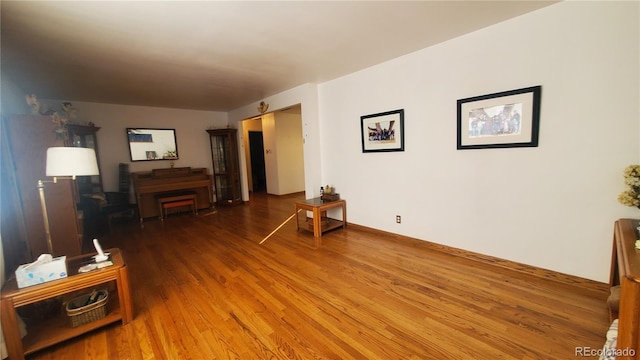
[[501, 120], [151, 155], [383, 131]]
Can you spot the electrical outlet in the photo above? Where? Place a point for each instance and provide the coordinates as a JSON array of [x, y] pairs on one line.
[[398, 219]]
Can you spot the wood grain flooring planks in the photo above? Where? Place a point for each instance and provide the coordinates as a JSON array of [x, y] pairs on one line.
[[204, 288]]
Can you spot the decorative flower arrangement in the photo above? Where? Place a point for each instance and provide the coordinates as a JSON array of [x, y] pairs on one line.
[[631, 196], [61, 121]]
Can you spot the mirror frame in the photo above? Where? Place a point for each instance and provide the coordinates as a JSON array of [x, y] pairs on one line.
[[152, 144]]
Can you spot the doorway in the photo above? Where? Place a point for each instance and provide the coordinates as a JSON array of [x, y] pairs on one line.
[[274, 146], [256, 153]]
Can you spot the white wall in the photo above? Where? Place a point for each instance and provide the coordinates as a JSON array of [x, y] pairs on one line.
[[13, 99], [191, 135], [552, 206], [290, 153]]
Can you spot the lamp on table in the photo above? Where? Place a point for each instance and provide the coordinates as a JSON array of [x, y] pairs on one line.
[[65, 163]]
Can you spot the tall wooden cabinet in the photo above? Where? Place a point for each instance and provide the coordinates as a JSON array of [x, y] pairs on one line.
[[85, 136], [27, 138], [226, 172]]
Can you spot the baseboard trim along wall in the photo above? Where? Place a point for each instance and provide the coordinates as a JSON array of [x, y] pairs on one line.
[[596, 288]]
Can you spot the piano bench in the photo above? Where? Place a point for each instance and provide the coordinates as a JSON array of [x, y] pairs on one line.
[[170, 202]]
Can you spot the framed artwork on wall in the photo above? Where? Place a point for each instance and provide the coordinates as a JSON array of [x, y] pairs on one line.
[[501, 120], [146, 144], [383, 131]]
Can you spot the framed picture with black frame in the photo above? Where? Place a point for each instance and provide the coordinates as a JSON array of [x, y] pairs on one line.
[[148, 144], [383, 131], [501, 120]]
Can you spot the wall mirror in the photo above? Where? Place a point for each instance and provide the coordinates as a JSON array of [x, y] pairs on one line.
[[147, 144]]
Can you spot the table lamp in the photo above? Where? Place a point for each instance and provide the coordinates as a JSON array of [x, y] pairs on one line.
[[65, 163]]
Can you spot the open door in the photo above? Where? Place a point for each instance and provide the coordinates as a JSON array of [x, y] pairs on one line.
[[256, 152]]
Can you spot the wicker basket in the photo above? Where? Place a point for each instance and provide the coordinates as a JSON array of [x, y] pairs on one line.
[[80, 314]]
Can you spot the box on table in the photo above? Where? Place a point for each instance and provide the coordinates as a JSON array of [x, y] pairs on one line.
[[28, 274], [330, 197]]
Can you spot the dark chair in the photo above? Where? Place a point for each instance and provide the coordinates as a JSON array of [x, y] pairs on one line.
[[118, 205], [101, 209]]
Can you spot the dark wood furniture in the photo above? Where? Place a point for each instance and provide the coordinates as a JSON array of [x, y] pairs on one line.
[[103, 208], [165, 182], [320, 223], [226, 172], [91, 187], [118, 204], [27, 138], [57, 329], [625, 271], [86, 137]]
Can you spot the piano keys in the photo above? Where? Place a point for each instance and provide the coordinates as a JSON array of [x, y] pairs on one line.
[[150, 185]]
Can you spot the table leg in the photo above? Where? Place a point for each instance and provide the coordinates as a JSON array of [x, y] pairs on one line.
[[139, 201], [317, 221], [11, 330], [124, 295], [344, 216]]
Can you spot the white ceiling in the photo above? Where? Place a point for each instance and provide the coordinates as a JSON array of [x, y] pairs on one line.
[[218, 55]]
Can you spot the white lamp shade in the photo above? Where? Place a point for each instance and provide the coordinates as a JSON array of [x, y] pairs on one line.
[[71, 161]]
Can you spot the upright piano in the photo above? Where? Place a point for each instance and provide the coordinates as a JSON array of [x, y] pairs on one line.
[[150, 185]]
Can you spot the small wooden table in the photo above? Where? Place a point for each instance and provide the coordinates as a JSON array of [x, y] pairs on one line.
[[57, 329], [321, 223]]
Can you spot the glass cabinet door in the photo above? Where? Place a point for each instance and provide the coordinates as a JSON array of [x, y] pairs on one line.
[[85, 136], [226, 175], [219, 145]]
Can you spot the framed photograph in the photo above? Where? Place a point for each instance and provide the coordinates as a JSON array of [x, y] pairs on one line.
[[151, 155], [383, 131], [501, 120]]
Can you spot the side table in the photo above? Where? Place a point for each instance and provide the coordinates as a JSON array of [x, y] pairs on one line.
[[57, 329], [318, 207]]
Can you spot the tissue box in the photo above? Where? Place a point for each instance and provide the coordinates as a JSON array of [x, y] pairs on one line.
[[37, 274]]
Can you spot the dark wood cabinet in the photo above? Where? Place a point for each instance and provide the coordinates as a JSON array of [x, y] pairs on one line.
[[85, 136], [625, 273], [27, 138], [89, 189], [226, 172]]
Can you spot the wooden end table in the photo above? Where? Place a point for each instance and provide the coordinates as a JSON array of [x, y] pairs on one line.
[[57, 329], [321, 223]]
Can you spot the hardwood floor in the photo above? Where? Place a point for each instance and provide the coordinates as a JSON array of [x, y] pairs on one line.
[[203, 288]]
